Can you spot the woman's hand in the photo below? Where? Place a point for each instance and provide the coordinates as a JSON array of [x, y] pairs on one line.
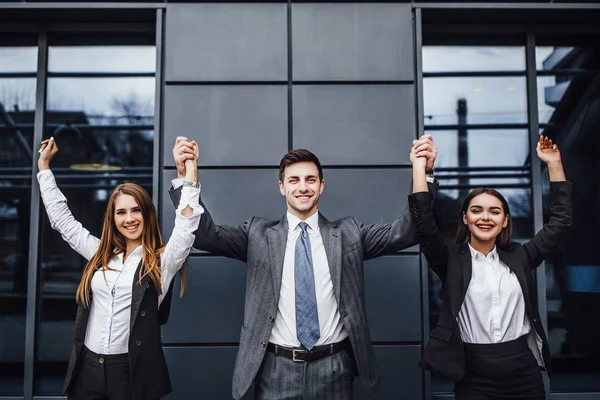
[[418, 162], [548, 151], [191, 164], [47, 151]]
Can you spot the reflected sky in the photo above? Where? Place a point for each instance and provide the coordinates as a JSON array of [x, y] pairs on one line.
[[102, 59], [18, 59]]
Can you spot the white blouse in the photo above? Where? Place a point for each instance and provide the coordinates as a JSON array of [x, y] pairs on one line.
[[110, 309], [494, 307]]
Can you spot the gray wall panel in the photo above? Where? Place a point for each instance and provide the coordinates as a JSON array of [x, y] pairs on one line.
[[393, 298], [212, 308], [355, 124], [201, 373], [222, 42], [371, 195], [233, 125], [400, 375], [352, 42]]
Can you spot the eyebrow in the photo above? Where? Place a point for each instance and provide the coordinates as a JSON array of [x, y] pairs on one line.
[[297, 177], [491, 208]]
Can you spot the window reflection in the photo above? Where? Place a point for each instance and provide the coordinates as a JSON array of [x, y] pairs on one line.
[[17, 100], [569, 102], [475, 106], [103, 127]]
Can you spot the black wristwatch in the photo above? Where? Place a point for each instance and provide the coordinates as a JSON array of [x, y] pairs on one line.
[[430, 171]]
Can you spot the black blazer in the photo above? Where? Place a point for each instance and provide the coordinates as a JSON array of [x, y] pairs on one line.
[[444, 353], [147, 365]]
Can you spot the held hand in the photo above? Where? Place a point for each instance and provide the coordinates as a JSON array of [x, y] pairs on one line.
[[418, 162], [547, 151], [425, 147], [183, 150], [191, 164], [47, 151]]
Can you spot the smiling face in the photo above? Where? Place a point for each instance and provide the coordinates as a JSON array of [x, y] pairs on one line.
[[301, 187], [128, 218], [485, 217]]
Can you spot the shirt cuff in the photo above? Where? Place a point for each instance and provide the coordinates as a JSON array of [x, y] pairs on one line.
[[177, 182], [190, 197]]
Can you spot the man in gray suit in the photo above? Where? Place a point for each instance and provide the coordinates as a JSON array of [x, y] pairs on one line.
[[305, 333]]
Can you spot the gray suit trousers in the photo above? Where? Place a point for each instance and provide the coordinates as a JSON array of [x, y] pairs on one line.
[[329, 378]]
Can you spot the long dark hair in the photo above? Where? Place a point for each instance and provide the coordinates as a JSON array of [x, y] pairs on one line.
[[463, 235]]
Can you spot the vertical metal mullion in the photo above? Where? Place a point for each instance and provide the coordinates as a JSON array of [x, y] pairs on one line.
[[290, 78], [157, 160], [419, 101], [536, 175], [34, 215]]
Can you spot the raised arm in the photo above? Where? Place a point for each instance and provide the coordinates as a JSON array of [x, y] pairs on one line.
[[61, 218], [381, 239], [223, 240], [421, 206], [187, 218], [552, 235]]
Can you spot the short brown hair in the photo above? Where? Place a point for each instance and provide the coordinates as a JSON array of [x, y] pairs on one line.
[[463, 235], [296, 156]]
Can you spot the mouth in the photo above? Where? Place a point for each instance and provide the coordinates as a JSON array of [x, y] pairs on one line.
[[304, 198], [132, 228], [485, 227]]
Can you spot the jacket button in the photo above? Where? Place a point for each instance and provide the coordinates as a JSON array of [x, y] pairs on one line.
[[272, 319], [138, 342], [142, 313], [263, 344]]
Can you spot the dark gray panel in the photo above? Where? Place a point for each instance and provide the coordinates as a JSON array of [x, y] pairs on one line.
[[352, 42], [401, 378], [231, 196], [226, 42], [212, 307], [393, 298], [355, 124], [371, 195], [233, 125], [201, 373]]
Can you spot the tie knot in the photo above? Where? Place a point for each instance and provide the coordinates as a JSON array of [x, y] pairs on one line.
[[303, 226]]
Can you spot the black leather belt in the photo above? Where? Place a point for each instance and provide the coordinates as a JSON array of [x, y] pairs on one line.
[[300, 354]]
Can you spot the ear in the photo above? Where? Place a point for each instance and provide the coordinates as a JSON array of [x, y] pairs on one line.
[[281, 189], [464, 215], [505, 221], [321, 187]]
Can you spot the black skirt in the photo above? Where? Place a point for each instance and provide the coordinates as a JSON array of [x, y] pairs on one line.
[[500, 371]]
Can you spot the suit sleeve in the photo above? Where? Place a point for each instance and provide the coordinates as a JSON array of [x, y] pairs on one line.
[[553, 234], [383, 239], [428, 235], [223, 240]]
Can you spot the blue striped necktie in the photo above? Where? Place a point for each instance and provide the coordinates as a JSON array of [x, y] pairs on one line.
[[307, 315]]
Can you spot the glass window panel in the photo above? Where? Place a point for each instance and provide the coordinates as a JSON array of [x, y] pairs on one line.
[[18, 59], [494, 100], [571, 107], [102, 59], [473, 58], [17, 101], [104, 130]]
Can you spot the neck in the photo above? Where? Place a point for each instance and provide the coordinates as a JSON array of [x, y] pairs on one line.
[[131, 246], [484, 247], [303, 216]]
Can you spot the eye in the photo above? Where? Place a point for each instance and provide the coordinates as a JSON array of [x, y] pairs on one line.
[[137, 210], [475, 211], [292, 181], [312, 180], [120, 212]]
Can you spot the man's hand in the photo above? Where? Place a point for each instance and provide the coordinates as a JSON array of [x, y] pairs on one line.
[[425, 147], [184, 150]]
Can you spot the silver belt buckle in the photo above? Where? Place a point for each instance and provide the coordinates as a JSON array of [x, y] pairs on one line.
[[297, 351]]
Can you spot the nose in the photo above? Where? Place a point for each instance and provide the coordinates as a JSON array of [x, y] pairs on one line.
[[129, 217], [486, 215], [302, 186]]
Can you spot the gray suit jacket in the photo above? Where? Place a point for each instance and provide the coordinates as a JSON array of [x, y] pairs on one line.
[[261, 244]]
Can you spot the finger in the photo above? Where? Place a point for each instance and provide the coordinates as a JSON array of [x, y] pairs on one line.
[[180, 138], [424, 146]]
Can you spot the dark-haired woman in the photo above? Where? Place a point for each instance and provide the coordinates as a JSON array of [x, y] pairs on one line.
[[489, 337], [118, 352]]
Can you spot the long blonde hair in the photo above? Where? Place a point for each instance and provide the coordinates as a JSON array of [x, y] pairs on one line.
[[112, 243]]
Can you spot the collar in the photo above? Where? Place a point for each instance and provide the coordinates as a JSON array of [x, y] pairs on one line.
[[312, 221], [477, 255]]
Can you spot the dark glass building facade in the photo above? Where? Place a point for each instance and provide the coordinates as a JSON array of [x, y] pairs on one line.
[[114, 83]]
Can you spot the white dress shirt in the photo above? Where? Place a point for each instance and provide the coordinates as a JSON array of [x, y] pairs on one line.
[[330, 322], [494, 308], [108, 327]]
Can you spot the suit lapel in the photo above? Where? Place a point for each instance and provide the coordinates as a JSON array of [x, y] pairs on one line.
[[332, 242], [467, 270], [137, 294], [277, 237]]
